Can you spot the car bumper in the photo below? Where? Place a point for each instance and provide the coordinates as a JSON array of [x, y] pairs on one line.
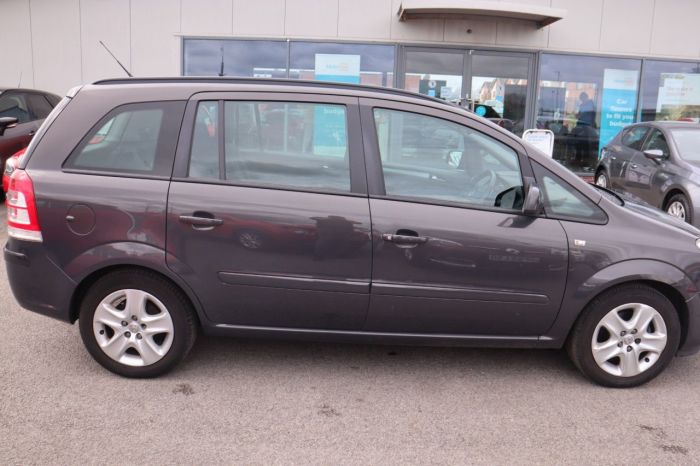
[[691, 343], [37, 283]]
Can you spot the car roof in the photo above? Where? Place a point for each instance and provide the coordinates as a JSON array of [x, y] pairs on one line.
[[667, 124]]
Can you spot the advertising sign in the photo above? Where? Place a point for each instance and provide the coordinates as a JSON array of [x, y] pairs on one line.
[[337, 68], [679, 97], [542, 139], [329, 120], [619, 103]]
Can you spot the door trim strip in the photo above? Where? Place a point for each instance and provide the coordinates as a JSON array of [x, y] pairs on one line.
[[295, 282]]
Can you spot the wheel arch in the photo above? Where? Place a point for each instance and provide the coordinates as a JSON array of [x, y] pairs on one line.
[[672, 192], [85, 284]]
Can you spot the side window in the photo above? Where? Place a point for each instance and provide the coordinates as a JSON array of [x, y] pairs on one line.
[[562, 201], [135, 138], [656, 141], [281, 144], [428, 158], [40, 106], [15, 105], [634, 137]]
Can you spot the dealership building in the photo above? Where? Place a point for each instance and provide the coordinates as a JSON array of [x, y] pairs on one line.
[[582, 69]]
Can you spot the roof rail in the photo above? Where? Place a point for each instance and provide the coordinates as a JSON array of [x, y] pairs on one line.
[[271, 81]]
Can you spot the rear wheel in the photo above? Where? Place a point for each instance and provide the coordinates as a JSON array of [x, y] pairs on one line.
[[679, 207], [625, 337], [136, 324], [601, 179]]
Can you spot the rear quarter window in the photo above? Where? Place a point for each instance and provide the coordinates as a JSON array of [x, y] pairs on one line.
[[135, 139]]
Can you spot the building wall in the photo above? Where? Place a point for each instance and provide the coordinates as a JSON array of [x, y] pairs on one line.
[[53, 44]]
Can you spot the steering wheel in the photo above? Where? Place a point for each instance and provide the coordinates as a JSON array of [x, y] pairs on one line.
[[482, 184]]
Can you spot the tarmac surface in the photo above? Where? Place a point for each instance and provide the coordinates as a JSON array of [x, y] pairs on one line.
[[266, 402]]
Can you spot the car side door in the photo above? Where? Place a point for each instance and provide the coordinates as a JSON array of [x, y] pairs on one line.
[[631, 145], [453, 252], [268, 219], [650, 173]]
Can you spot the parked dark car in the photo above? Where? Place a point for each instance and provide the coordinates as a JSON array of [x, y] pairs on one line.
[[21, 113], [657, 162], [146, 209]]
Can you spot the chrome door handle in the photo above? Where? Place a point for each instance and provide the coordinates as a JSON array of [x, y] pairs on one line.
[[197, 221], [404, 239], [634, 165]]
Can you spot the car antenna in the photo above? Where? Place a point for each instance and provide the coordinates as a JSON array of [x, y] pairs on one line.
[[20, 79], [116, 59], [221, 71]]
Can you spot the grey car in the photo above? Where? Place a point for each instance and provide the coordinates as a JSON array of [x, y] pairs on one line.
[[150, 209], [658, 163]]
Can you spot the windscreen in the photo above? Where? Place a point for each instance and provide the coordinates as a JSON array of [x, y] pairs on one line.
[[687, 143]]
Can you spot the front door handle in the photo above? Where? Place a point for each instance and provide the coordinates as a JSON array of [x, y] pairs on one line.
[[404, 239], [201, 223]]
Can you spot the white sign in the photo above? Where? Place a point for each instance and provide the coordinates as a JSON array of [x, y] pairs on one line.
[[542, 139], [337, 67]]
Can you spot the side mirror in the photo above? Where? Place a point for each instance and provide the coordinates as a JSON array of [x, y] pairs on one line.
[[454, 158], [7, 122], [654, 154], [532, 203]]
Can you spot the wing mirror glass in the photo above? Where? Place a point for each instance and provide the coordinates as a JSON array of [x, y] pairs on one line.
[[7, 122], [533, 201]]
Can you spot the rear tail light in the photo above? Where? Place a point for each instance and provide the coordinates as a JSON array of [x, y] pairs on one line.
[[22, 219]]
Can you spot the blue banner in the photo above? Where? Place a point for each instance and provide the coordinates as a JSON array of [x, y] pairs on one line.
[[619, 103]]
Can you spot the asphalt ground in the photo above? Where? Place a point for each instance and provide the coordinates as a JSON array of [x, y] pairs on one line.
[[266, 402]]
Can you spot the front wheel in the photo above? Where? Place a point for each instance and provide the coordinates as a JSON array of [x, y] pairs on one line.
[[679, 207], [625, 337], [136, 324]]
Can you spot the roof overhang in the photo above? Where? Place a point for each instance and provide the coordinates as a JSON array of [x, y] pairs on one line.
[[455, 9]]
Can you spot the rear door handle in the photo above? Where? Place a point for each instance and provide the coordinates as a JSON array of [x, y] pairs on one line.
[[404, 239], [201, 223], [634, 165]]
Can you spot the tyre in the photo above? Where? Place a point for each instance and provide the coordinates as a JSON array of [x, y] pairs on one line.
[[602, 180], [625, 337], [137, 324], [679, 207]]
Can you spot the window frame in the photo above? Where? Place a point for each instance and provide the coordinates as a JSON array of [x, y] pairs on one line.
[[647, 140], [358, 179], [165, 146], [375, 171]]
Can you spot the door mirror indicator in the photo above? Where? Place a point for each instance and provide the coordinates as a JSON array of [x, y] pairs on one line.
[[532, 204], [454, 158], [7, 122], [654, 154]]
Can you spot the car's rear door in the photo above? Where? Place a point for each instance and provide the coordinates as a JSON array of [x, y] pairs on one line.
[[453, 253], [268, 218]]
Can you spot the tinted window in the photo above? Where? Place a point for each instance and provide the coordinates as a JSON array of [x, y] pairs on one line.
[[282, 144], [136, 138], [438, 160], [15, 105], [656, 141], [40, 106], [634, 137], [562, 201]]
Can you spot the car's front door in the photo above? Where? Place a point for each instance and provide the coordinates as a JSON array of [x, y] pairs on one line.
[[268, 218], [650, 174], [453, 253]]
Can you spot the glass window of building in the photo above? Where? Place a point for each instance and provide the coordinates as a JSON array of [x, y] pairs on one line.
[[671, 91], [585, 102], [349, 63], [433, 73], [238, 58]]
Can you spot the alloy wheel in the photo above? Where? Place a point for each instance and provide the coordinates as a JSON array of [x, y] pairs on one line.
[[676, 209], [629, 339], [133, 327]]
